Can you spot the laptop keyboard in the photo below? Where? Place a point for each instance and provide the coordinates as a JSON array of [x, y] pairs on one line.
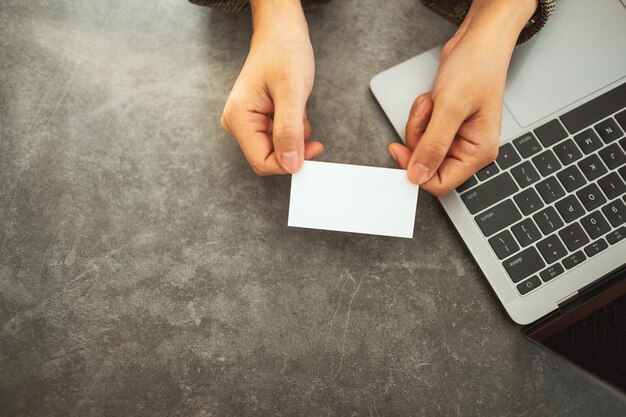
[[555, 196]]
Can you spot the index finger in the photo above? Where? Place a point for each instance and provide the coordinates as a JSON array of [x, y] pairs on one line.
[[251, 131], [434, 144], [462, 161]]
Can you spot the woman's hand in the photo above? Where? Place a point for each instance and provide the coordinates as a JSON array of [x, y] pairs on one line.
[[265, 110], [454, 131]]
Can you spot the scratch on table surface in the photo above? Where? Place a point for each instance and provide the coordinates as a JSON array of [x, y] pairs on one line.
[[64, 92], [422, 364], [338, 282], [61, 355], [91, 266], [115, 259], [345, 329], [375, 408], [425, 382], [330, 328], [35, 118], [392, 302], [350, 276], [43, 258], [332, 84]]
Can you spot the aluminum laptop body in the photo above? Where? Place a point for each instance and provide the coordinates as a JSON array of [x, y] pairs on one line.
[[579, 56]]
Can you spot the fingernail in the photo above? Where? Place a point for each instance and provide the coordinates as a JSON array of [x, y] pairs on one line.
[[316, 154], [290, 161], [420, 173], [421, 106], [392, 153]]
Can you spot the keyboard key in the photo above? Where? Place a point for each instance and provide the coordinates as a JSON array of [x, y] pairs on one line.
[[548, 220], [528, 285], [595, 110], [503, 244], [596, 247], [568, 152], [570, 209], [552, 249], [550, 190], [623, 143], [621, 119], [613, 156], [616, 236], [574, 237], [490, 192], [546, 163], [526, 232], [571, 178], [528, 201], [551, 272], [487, 172], [622, 172], [472, 181], [608, 130], [525, 174], [508, 156], [612, 185], [615, 212], [591, 197], [497, 217], [527, 145], [592, 167], [551, 133], [574, 259], [588, 140], [523, 264], [595, 224]]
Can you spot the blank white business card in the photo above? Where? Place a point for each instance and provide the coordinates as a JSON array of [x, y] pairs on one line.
[[353, 198]]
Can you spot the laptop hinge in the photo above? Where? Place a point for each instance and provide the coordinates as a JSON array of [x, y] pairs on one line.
[[562, 301]]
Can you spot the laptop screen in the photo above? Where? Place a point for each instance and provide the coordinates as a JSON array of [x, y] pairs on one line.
[[592, 335]]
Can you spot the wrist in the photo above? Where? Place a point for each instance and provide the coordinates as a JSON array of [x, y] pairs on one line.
[[503, 19], [271, 16]]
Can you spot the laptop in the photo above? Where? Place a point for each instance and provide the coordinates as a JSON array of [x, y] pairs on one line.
[[546, 222]]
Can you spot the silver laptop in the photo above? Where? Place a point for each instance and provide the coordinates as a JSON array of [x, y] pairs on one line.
[[548, 218]]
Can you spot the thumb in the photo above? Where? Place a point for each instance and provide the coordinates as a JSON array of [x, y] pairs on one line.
[[288, 130], [433, 146]]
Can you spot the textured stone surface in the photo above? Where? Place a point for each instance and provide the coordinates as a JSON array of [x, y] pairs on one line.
[[145, 271]]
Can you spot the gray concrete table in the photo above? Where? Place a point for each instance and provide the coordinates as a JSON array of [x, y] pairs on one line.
[[145, 271]]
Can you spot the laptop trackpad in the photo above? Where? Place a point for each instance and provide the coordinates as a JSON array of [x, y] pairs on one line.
[[568, 60]]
